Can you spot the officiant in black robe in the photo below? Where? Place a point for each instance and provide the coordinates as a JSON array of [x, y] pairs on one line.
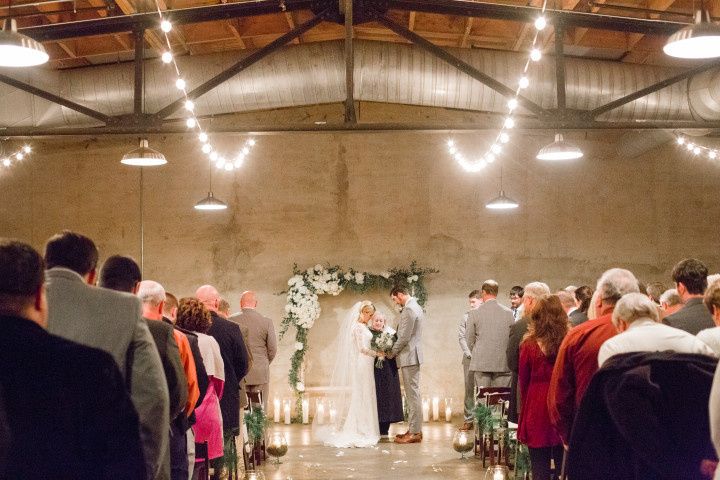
[[387, 383]]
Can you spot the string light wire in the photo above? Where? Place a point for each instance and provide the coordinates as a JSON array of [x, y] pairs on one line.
[[192, 122], [503, 136], [7, 161], [690, 146]]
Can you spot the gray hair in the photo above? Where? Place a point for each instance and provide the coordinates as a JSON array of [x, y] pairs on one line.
[[536, 290], [713, 278], [151, 292], [670, 297], [634, 306], [616, 283]]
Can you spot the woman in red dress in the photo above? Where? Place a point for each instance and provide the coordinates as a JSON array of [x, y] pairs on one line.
[[548, 326]]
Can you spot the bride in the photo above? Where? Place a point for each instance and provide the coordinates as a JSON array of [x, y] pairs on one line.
[[352, 387]]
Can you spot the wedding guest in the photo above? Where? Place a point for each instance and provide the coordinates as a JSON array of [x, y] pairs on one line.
[[533, 292], [583, 295], [516, 300], [670, 302], [387, 382], [236, 360], [223, 308], [474, 300], [488, 327], [654, 291], [194, 316], [577, 359], [66, 412], [170, 308], [408, 350], [715, 277], [152, 295], [262, 342], [110, 321], [639, 329], [567, 300], [690, 277], [546, 330], [711, 336]]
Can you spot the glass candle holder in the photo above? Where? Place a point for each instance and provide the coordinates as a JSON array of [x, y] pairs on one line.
[[277, 446], [463, 442], [497, 472]]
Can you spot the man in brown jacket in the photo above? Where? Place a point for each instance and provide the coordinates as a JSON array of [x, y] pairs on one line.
[[261, 341]]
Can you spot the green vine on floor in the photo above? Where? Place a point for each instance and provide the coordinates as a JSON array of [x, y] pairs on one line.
[[256, 422], [302, 308]]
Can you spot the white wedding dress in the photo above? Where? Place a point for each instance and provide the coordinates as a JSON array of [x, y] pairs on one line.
[[352, 391]]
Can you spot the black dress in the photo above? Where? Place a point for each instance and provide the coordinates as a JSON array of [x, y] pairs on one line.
[[387, 392]]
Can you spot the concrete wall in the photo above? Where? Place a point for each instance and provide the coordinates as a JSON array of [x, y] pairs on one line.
[[373, 201]]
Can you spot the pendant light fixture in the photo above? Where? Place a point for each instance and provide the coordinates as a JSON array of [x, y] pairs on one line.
[[18, 50], [210, 202], [700, 40], [143, 156], [502, 201], [559, 150]]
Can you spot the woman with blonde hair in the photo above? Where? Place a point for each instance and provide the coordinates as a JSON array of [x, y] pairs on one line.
[[548, 326]]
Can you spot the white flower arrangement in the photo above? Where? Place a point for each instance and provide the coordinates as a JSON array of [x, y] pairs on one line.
[[300, 386], [299, 346]]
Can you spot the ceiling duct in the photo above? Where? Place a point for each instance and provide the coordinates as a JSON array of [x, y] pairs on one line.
[[314, 73]]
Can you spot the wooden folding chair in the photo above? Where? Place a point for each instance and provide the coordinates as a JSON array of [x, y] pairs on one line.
[[497, 398], [254, 452]]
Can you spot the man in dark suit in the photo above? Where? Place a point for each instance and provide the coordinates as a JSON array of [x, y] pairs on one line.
[[690, 277], [67, 414], [235, 357], [531, 294], [110, 321]]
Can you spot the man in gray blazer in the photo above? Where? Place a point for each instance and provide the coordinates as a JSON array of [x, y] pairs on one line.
[[487, 334], [408, 350], [690, 277], [111, 321], [260, 340]]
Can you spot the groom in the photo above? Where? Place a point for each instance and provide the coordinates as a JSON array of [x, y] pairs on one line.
[[408, 351]]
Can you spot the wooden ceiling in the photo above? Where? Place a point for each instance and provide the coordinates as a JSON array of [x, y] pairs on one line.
[[444, 30]]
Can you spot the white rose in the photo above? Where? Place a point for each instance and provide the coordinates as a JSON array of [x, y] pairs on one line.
[[416, 277], [385, 274], [359, 278], [299, 346], [288, 308], [318, 268], [310, 271], [348, 276], [300, 386], [410, 279]]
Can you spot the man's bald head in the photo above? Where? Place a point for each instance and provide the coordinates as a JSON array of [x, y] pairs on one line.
[[248, 299], [209, 296]]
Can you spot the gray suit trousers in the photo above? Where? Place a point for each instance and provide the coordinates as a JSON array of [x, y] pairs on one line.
[[411, 381], [469, 404], [492, 379]]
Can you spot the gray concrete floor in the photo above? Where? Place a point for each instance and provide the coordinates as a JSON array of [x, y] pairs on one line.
[[434, 458]]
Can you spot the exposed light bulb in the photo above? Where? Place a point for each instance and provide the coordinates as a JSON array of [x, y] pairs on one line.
[[696, 150], [165, 26], [189, 105], [504, 137], [220, 163], [712, 154], [524, 82], [535, 54], [229, 167], [512, 104], [450, 143], [238, 162], [509, 123], [452, 150], [213, 156], [540, 23], [203, 137], [27, 149], [490, 158], [251, 142], [496, 148], [458, 157], [245, 150], [19, 156], [190, 122], [206, 148], [680, 140], [180, 84], [166, 57], [690, 146], [6, 162], [482, 164]]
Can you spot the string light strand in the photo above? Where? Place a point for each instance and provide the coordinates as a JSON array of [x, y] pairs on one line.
[[19, 155], [192, 122], [503, 136], [711, 153]]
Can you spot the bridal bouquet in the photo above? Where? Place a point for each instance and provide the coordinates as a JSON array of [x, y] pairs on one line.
[[382, 342]]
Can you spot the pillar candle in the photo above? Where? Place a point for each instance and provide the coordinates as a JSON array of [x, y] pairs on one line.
[[333, 414], [276, 411], [448, 413], [426, 410], [287, 413], [436, 409], [320, 412], [306, 411]]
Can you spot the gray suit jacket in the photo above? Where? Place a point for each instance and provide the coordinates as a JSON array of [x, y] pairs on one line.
[[408, 347], [692, 318], [112, 321], [487, 333], [261, 341]]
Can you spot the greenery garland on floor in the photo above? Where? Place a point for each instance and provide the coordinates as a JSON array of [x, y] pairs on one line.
[[256, 422], [303, 306]]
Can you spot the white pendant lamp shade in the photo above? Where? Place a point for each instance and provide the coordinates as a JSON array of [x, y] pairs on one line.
[[502, 202], [143, 156], [559, 150], [210, 203], [18, 50], [700, 40]]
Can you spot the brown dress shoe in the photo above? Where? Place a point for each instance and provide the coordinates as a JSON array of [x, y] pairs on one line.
[[466, 426], [402, 435], [412, 438]]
